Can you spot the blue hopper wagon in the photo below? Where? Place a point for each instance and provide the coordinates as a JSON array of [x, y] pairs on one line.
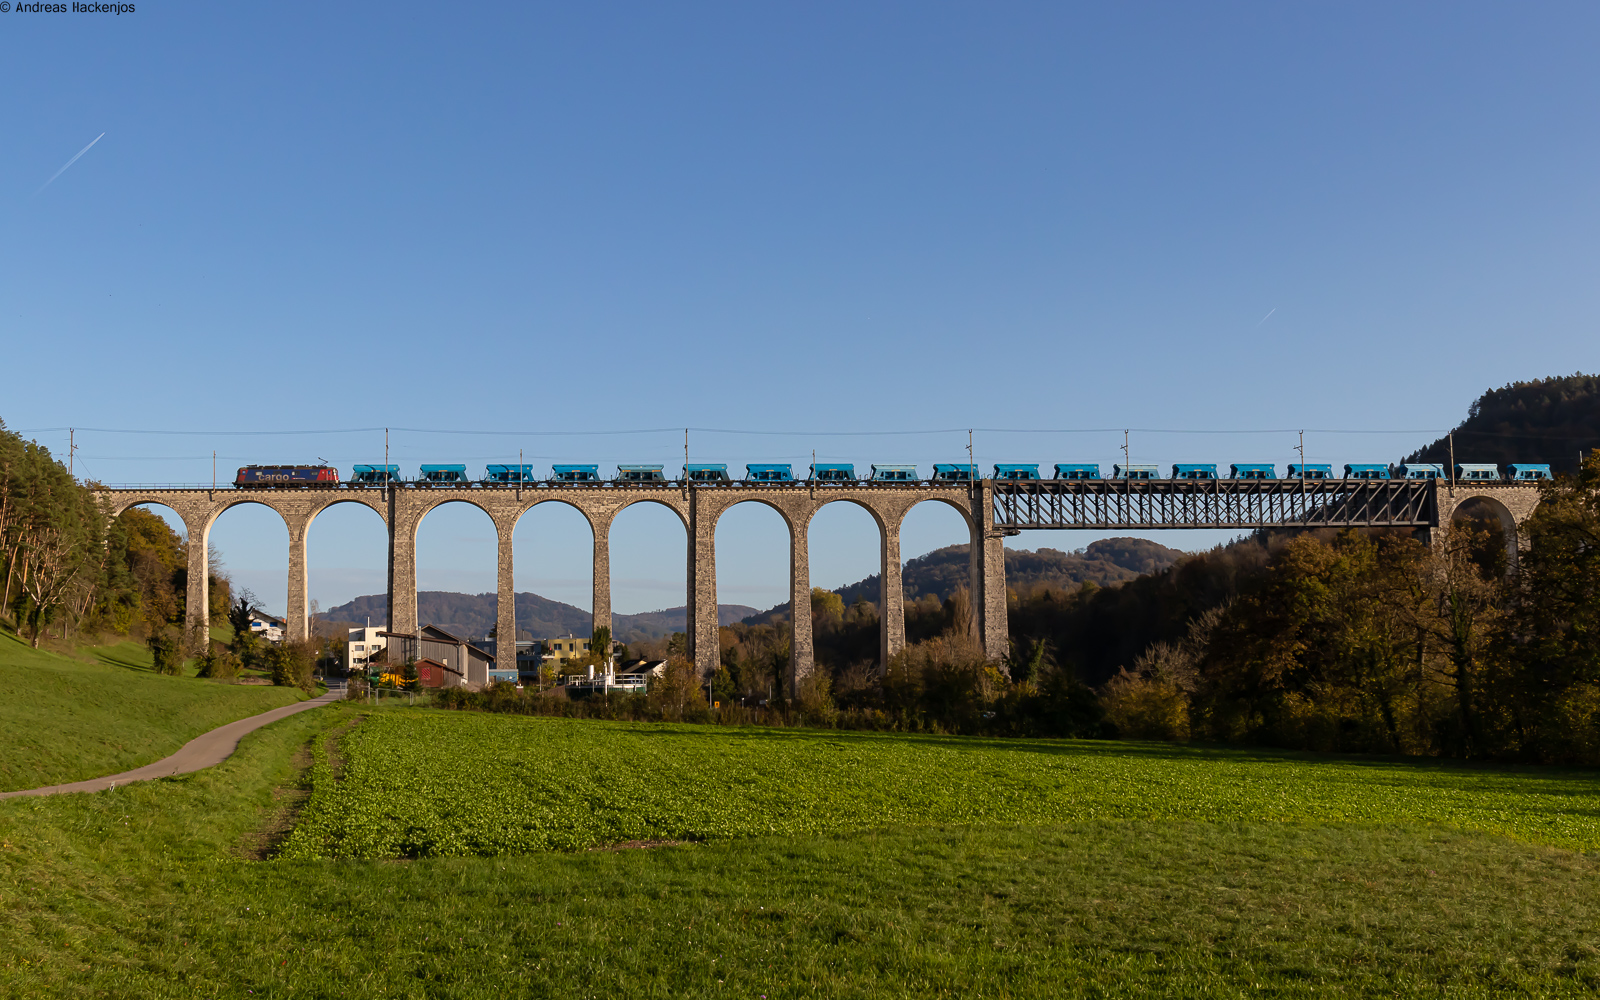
[[1310, 470], [1477, 472], [1423, 470], [1077, 470], [1366, 470], [894, 473], [1252, 470], [1205, 470], [946, 472], [374, 475], [509, 474], [575, 474], [1135, 471], [441, 475], [772, 472], [833, 472], [707, 473], [1016, 470], [641, 474], [1523, 473]]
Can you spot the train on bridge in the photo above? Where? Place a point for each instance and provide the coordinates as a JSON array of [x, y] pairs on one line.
[[942, 473]]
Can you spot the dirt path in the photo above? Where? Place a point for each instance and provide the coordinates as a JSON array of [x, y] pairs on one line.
[[199, 753]]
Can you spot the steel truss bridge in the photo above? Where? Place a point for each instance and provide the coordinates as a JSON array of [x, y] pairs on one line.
[[1216, 503]]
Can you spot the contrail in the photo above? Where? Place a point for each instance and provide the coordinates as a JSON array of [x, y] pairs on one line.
[[1262, 320], [69, 163]]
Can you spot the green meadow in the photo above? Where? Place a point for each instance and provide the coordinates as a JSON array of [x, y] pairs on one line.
[[456, 855], [436, 783], [103, 710]]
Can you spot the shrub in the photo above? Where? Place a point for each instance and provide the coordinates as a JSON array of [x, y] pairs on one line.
[[675, 695]]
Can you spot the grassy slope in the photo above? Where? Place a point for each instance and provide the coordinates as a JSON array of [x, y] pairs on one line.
[[63, 719], [132, 892]]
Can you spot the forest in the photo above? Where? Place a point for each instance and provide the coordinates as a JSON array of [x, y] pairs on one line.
[[1353, 641]]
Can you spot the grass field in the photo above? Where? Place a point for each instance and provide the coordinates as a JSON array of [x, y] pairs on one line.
[[65, 718], [143, 891], [432, 783]]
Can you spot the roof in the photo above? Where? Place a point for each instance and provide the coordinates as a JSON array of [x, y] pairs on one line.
[[437, 635], [425, 661]]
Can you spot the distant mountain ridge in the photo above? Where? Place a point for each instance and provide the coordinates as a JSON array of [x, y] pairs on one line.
[[942, 571], [471, 616]]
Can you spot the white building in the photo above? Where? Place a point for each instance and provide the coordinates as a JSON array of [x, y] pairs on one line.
[[268, 627], [364, 642]]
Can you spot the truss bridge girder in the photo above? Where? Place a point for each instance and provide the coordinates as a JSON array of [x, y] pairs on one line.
[[1218, 503]]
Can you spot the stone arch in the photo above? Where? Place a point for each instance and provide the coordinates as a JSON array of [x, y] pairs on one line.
[[602, 556], [975, 554], [498, 519], [120, 505], [963, 509], [706, 510], [597, 523], [891, 612], [676, 508], [359, 501], [300, 536], [1473, 503]]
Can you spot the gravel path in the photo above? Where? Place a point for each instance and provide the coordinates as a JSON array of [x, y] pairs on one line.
[[199, 753]]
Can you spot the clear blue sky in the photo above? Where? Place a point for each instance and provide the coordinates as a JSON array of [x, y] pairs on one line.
[[796, 218]]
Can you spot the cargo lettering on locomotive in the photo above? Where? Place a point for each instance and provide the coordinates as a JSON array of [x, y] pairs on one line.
[[301, 476]]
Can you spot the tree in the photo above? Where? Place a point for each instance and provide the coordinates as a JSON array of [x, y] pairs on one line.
[[245, 643], [1552, 639], [676, 694], [53, 535]]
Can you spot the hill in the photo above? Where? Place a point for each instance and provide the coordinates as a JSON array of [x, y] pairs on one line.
[[940, 572], [65, 719], [473, 615], [1547, 420]]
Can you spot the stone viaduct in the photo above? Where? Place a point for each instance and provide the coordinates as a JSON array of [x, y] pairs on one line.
[[699, 507]]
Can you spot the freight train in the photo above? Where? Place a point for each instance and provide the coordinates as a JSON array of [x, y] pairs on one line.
[[327, 477]]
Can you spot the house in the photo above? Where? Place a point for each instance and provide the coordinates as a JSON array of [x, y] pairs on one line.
[[570, 647], [465, 664], [634, 678], [364, 643], [640, 672], [268, 627], [529, 654], [433, 674]]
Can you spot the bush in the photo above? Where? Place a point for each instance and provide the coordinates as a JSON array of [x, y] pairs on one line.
[[219, 665], [675, 696], [814, 699], [166, 648], [291, 663]]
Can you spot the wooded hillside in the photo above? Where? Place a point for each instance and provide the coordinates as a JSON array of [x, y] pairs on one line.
[[1547, 420]]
